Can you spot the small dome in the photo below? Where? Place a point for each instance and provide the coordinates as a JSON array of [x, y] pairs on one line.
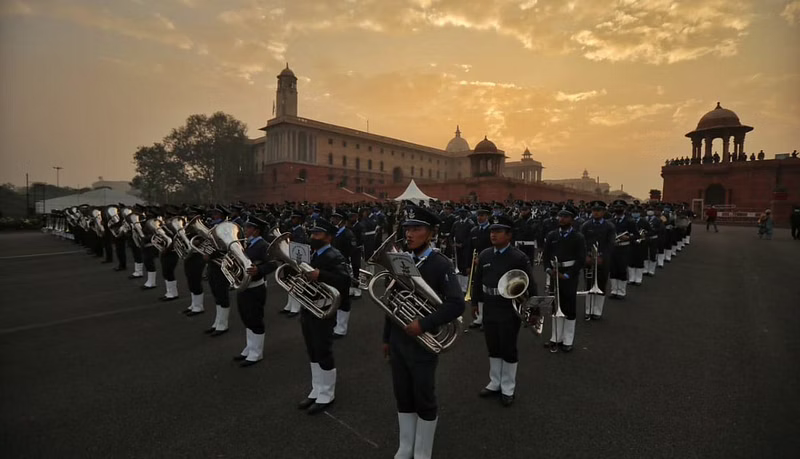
[[719, 117], [457, 144], [287, 72], [486, 146]]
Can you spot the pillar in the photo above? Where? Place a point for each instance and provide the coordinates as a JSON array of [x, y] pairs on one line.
[[708, 153], [726, 155]]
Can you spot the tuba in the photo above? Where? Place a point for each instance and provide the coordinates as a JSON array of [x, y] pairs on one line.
[[408, 298], [159, 238], [513, 286], [200, 238], [114, 219], [313, 295], [134, 221], [97, 222], [228, 237], [177, 225]]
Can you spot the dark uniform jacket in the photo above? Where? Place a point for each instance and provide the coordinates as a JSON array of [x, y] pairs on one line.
[[624, 223], [569, 249], [479, 238], [345, 242], [491, 267], [437, 271], [524, 229], [299, 235], [257, 253], [603, 233], [334, 272], [548, 224]]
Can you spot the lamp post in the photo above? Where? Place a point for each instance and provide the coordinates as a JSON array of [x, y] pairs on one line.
[[58, 169]]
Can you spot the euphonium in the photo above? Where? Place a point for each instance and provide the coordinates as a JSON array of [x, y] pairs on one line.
[[114, 220], [159, 238], [179, 241], [513, 285], [228, 237], [137, 233], [200, 238], [97, 222], [313, 295], [409, 298]]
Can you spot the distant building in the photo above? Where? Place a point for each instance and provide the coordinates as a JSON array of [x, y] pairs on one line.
[[585, 183], [118, 185]]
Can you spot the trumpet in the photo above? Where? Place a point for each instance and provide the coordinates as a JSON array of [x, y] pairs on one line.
[[407, 298], [514, 285], [313, 295]]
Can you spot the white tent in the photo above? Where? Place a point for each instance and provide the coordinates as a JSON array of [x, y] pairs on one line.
[[414, 194], [99, 197]]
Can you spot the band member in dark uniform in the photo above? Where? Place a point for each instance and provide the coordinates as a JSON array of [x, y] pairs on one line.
[[107, 238], [345, 242], [657, 232], [500, 322], [569, 247], [169, 261], [548, 224], [330, 267], [413, 366], [149, 251], [446, 230], [120, 241], [600, 231], [217, 282], [251, 300], [193, 267], [626, 234], [368, 231], [355, 253], [524, 232], [638, 248], [292, 308], [479, 241], [461, 235], [136, 251]]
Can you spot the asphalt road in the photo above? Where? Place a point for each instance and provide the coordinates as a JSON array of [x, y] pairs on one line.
[[699, 362]]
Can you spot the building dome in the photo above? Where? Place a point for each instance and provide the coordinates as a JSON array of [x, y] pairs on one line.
[[287, 72], [719, 117], [457, 144], [486, 146]]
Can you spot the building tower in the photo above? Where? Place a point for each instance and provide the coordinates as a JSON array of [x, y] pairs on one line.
[[286, 96]]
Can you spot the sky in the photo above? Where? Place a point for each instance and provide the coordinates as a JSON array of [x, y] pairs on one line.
[[610, 86]]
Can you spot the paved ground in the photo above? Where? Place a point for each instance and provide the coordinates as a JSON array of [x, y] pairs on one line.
[[701, 361]]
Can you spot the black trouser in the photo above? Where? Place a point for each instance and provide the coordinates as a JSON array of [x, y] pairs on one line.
[[795, 231], [149, 255], [122, 254], [108, 243], [568, 295], [602, 277], [318, 336], [413, 376], [652, 249], [135, 250], [638, 253], [464, 259], [193, 265], [250, 303], [76, 233], [169, 260], [501, 335], [619, 262], [219, 285]]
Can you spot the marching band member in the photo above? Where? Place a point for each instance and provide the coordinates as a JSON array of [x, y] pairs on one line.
[[652, 241], [136, 251], [345, 242], [350, 222], [150, 252], [217, 282], [462, 229], [413, 367], [500, 322], [479, 241], [548, 224], [524, 232], [638, 248], [251, 300], [330, 267], [600, 231], [119, 244], [626, 233], [292, 308], [193, 267], [569, 247], [169, 260]]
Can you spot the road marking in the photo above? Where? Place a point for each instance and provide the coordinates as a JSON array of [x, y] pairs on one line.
[[39, 254], [367, 440], [7, 331]]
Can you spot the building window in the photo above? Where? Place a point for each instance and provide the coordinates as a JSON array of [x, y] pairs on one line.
[[330, 177], [369, 164], [358, 180], [330, 141], [437, 175], [303, 174], [445, 175], [381, 150], [402, 154], [437, 162], [369, 148], [380, 181], [369, 181], [421, 172], [429, 173], [330, 159], [392, 152], [344, 161], [412, 155], [430, 160], [343, 183], [344, 143], [381, 166], [459, 175], [358, 163], [412, 170], [358, 147]]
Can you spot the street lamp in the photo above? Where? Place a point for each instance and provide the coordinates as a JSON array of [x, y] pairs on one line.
[[58, 169]]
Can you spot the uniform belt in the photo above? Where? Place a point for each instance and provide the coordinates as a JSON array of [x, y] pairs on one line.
[[527, 243], [369, 233], [257, 283], [566, 264], [491, 291], [624, 243], [653, 237]]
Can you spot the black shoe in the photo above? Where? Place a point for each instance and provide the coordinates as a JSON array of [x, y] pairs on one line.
[[552, 346], [218, 332], [144, 287], [506, 400], [134, 277], [283, 311], [166, 298], [565, 348], [485, 392], [193, 313], [317, 408], [338, 336], [248, 363], [209, 331], [106, 262], [120, 268], [587, 318], [239, 358], [305, 403], [292, 315], [474, 325], [186, 311], [596, 317]]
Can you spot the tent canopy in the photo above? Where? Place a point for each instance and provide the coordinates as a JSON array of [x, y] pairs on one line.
[[414, 194], [99, 197]]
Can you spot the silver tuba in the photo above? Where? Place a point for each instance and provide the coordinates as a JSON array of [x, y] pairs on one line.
[[313, 295], [408, 298], [513, 285], [114, 219], [177, 226], [97, 222], [134, 221], [228, 237], [159, 238]]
